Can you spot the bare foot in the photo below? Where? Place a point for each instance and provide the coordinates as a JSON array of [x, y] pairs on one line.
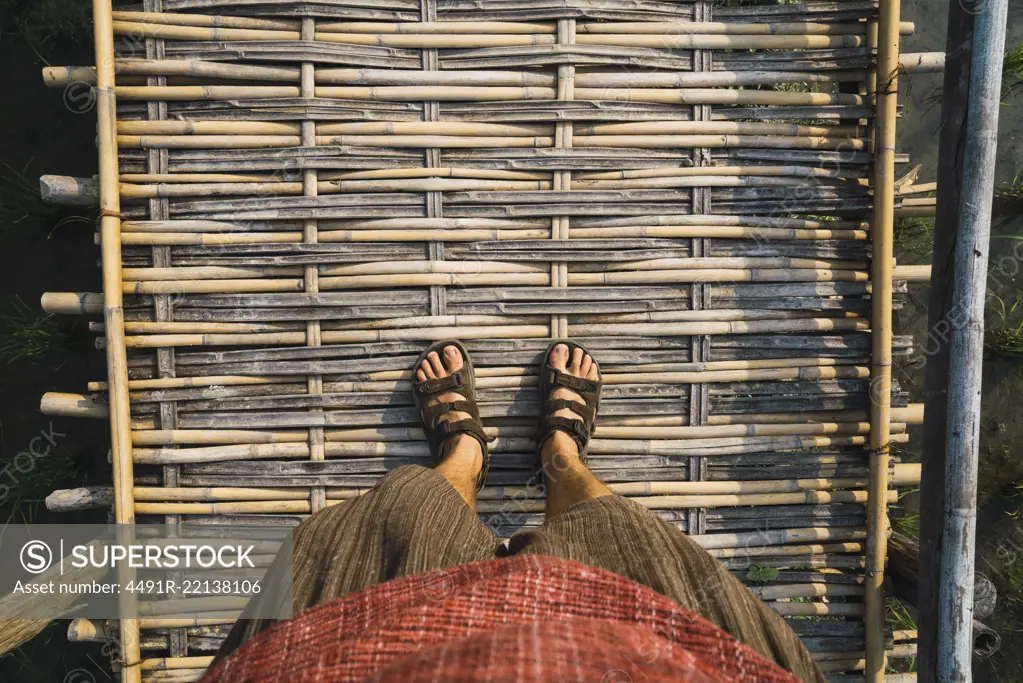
[[458, 446]]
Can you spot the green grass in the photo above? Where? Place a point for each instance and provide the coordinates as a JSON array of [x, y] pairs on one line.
[[761, 574], [26, 334], [20, 202], [908, 524], [900, 619], [1008, 200], [1004, 335], [914, 234], [1012, 73], [29, 479], [1012, 78]]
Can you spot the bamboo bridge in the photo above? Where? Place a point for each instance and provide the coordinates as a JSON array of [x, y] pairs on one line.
[[296, 197]]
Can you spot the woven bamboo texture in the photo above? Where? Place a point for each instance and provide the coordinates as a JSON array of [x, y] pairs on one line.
[[311, 192]]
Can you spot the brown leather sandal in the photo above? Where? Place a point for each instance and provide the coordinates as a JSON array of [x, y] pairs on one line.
[[589, 390], [461, 382]]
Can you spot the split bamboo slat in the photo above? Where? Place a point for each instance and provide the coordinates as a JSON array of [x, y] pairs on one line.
[[297, 197]]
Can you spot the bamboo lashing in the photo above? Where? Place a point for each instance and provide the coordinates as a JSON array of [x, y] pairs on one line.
[[293, 205]]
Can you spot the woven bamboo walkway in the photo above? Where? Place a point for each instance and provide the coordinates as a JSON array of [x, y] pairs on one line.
[[298, 196]]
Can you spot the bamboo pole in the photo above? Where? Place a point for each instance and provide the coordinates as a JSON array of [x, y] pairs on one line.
[[433, 27], [687, 41], [907, 475], [520, 376], [912, 273], [113, 315], [199, 436], [724, 232], [169, 663], [68, 191], [951, 143], [686, 96], [966, 349], [665, 447], [302, 506], [689, 275], [235, 141], [882, 226], [480, 332], [206, 20], [921, 62], [730, 28], [758, 549], [763, 421], [474, 39]]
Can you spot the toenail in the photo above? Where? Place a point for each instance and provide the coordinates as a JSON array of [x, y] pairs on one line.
[[450, 351]]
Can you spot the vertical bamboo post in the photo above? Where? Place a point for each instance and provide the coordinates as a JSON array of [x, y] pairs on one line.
[[311, 275], [882, 227], [941, 306], [113, 315], [966, 350], [562, 180]]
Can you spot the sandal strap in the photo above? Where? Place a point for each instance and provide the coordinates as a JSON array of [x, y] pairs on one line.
[[469, 426], [431, 413], [583, 410], [580, 384], [441, 431], [440, 385], [574, 428]]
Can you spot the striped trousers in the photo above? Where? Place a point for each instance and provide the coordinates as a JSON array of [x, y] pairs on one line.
[[414, 521]]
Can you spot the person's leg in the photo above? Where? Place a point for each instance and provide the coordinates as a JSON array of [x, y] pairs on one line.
[[414, 520], [463, 455], [568, 479], [587, 523]]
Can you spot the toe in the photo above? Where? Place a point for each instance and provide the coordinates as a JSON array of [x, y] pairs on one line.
[[592, 372], [435, 363], [427, 369], [420, 376], [577, 359], [452, 359], [585, 365], [559, 357]]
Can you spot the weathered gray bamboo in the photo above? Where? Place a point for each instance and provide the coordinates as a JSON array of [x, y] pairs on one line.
[[63, 76], [434, 169], [966, 350], [68, 191], [955, 106], [921, 62]]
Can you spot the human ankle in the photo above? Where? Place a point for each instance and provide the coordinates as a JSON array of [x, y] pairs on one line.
[[464, 451], [560, 455]]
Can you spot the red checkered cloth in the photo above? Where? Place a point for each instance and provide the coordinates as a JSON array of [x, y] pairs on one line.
[[524, 618]]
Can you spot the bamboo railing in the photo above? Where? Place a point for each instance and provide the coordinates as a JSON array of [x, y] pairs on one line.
[[296, 198]]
